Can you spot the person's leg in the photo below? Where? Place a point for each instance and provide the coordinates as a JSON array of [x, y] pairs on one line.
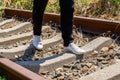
[[67, 9], [38, 12]]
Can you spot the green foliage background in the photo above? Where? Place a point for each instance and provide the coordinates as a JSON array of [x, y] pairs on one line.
[[82, 7]]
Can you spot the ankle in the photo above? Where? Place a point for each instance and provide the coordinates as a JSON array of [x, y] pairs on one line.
[[37, 42], [66, 45]]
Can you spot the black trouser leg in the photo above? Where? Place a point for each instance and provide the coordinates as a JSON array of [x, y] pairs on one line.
[[38, 12], [67, 9]]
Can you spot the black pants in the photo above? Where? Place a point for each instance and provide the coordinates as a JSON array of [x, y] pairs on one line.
[[67, 9]]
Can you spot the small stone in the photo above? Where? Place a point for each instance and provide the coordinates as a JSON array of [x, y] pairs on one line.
[[75, 73], [57, 74], [116, 57], [54, 52], [94, 68], [60, 45], [66, 66], [44, 73], [37, 57], [104, 55], [16, 56], [67, 74], [85, 69], [78, 67], [15, 45], [105, 49], [10, 46], [111, 47], [49, 49], [24, 43], [60, 78], [89, 65], [59, 50], [94, 62], [95, 52], [104, 62], [60, 69], [83, 64], [100, 59], [48, 52], [116, 60]]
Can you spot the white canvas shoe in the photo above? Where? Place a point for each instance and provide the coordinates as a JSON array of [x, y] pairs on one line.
[[74, 49], [37, 42]]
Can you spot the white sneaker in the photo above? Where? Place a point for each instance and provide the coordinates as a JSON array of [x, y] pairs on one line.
[[37, 42], [74, 49]]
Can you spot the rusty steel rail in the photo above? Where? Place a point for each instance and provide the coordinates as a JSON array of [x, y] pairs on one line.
[[92, 25], [14, 71]]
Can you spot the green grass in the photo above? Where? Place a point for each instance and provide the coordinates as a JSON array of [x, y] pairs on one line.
[[1, 11], [82, 7], [115, 2], [0, 78], [3, 78], [53, 7]]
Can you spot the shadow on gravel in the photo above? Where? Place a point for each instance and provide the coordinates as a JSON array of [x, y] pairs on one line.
[[29, 53], [35, 65]]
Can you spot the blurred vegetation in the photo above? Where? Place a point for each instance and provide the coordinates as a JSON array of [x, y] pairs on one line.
[[53, 6], [20, 4], [82, 7], [3, 78]]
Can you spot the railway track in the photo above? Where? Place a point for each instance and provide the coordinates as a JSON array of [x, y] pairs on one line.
[[16, 45], [87, 24]]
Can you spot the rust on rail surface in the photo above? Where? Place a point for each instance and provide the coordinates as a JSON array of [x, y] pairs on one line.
[[92, 25], [14, 71]]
